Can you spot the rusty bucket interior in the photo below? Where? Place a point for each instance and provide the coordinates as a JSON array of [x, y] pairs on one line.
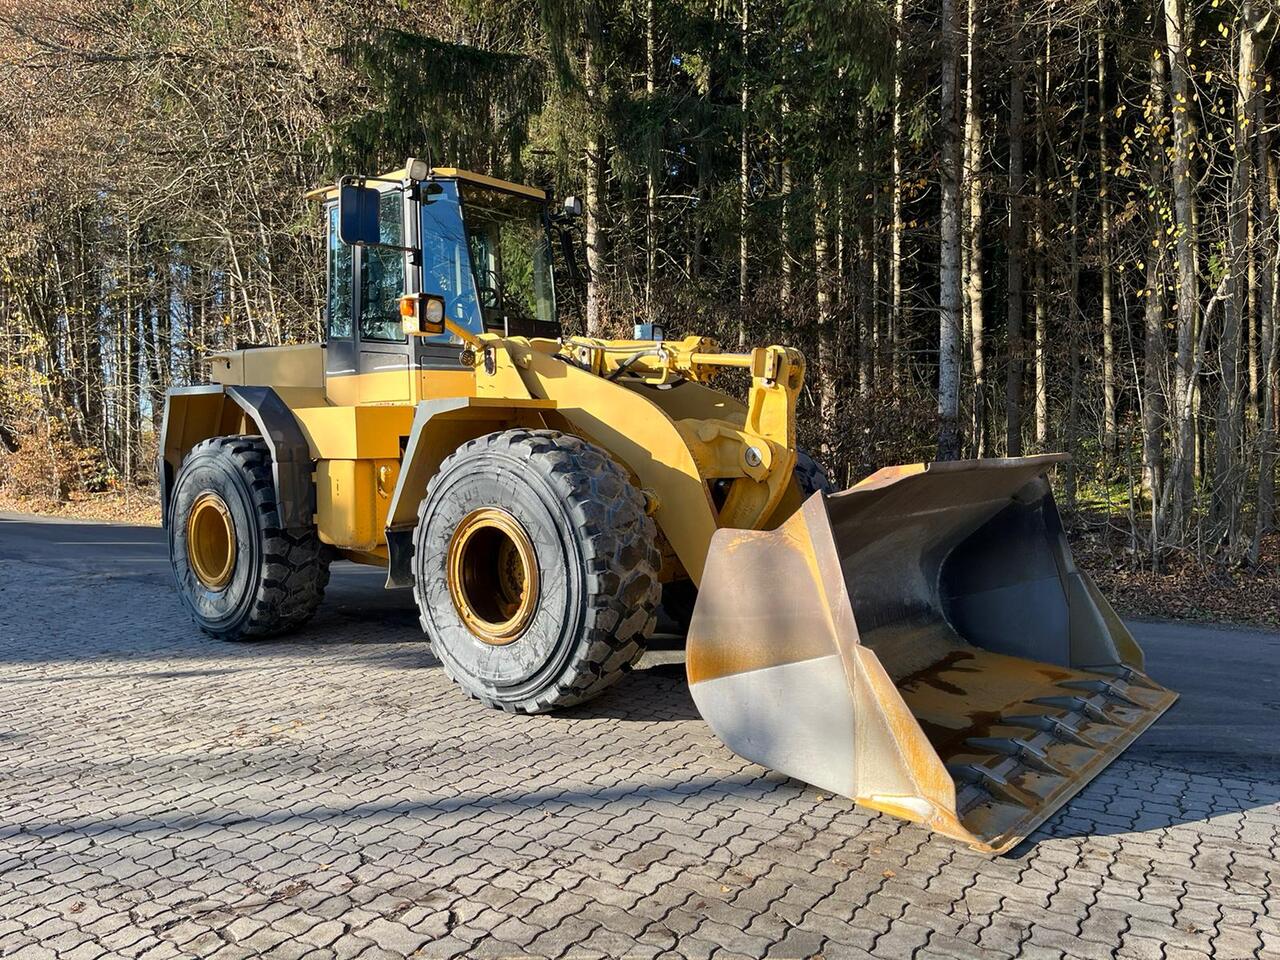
[[924, 644]]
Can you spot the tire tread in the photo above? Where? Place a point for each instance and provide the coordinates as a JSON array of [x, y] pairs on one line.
[[295, 563], [619, 549]]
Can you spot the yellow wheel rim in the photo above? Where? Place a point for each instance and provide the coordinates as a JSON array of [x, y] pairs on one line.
[[211, 541], [492, 572]]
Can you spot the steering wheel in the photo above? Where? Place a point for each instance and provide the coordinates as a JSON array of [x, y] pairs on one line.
[[487, 288]]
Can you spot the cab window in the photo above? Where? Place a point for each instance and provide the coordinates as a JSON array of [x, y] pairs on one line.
[[382, 275], [340, 275], [511, 253], [446, 261]]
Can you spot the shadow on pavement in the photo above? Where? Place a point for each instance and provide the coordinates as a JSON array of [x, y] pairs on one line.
[[745, 784], [1215, 754], [649, 693]]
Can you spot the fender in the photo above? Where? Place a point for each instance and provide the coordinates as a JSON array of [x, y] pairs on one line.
[[439, 428], [192, 414]]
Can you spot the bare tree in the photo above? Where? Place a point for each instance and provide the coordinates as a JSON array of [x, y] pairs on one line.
[[949, 268], [1188, 301]]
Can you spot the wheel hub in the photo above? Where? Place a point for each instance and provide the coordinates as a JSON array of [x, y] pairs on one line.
[[492, 572], [211, 541]]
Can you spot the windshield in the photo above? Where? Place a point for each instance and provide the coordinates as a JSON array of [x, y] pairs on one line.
[[511, 253], [446, 266]]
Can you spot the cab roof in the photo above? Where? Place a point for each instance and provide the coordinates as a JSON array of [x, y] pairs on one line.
[[450, 173]]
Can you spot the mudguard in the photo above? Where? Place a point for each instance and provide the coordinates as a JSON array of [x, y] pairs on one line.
[[196, 413]]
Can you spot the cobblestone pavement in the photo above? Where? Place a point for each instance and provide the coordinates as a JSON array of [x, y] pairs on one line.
[[331, 795]]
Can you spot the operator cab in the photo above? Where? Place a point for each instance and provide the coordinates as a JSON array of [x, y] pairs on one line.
[[480, 246]]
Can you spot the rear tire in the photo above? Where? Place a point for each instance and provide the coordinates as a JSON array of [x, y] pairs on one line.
[[575, 620], [253, 579]]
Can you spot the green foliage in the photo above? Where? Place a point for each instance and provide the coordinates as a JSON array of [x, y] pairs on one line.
[[464, 104]]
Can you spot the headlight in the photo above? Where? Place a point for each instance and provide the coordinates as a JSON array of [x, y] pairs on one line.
[[422, 314], [417, 168], [433, 311]]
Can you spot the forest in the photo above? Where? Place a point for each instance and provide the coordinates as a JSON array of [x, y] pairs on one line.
[[995, 227]]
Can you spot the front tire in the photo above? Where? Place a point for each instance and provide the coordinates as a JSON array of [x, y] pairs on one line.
[[240, 575], [535, 569]]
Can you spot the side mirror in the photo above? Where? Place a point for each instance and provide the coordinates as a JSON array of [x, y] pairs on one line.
[[424, 190], [358, 214], [422, 315]]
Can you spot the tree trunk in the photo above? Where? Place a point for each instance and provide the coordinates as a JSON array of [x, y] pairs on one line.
[[897, 314], [824, 275], [949, 298], [1188, 285], [594, 195], [1254, 285], [1153, 372], [1154, 353], [1228, 483], [1015, 249], [701, 190], [973, 284], [1040, 248], [1109, 430], [651, 178], [744, 174], [864, 281], [1071, 423], [784, 239], [1265, 202]]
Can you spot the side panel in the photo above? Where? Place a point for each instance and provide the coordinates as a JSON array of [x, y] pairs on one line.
[[358, 452], [440, 371], [356, 433], [384, 377], [352, 499], [295, 371], [429, 379]]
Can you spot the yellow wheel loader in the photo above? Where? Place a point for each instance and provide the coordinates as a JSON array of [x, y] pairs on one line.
[[921, 643]]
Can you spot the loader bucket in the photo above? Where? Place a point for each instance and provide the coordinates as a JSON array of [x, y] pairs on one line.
[[924, 644]]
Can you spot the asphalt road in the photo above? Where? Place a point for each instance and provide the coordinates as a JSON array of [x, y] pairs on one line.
[[1228, 677]]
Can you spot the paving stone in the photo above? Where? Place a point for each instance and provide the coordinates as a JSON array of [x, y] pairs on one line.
[[393, 937], [332, 796]]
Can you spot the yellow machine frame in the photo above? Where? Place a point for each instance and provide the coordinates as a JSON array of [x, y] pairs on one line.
[[672, 441]]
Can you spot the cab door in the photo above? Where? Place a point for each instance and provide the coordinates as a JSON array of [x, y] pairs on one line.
[[340, 343], [382, 349]]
